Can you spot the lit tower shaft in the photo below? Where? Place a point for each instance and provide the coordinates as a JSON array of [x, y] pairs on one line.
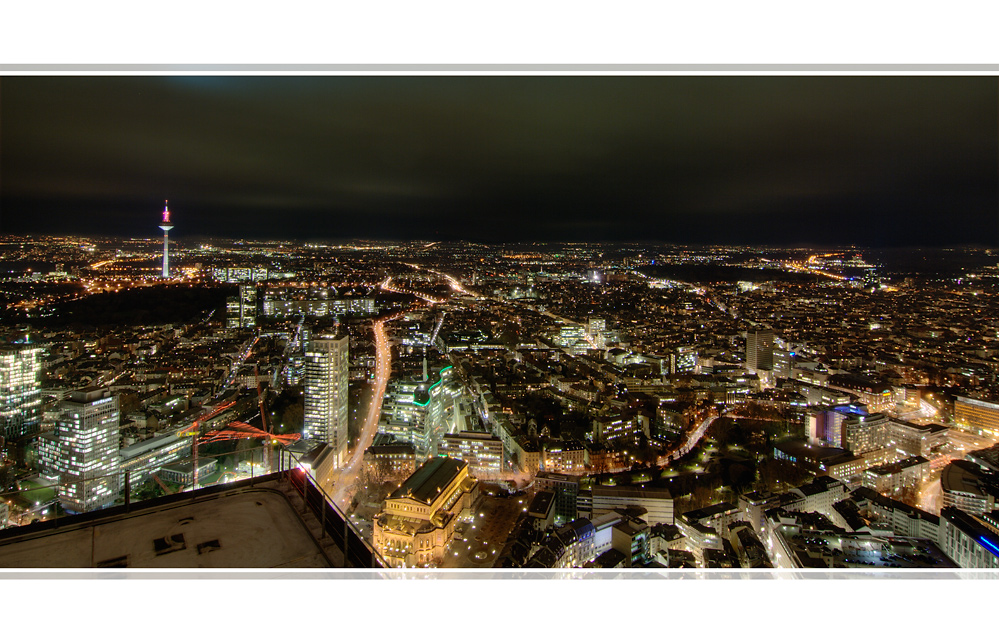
[[165, 227]]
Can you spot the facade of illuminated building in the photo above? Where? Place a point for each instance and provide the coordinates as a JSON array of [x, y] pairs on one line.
[[759, 350], [658, 503], [20, 391], [969, 487], [314, 302], [420, 412], [825, 423], [620, 427], [877, 396], [681, 360], [141, 460], [239, 274], [242, 310], [976, 414], [326, 401], [418, 520], [83, 450], [566, 489], [904, 520], [835, 462], [567, 457], [482, 451], [863, 434], [570, 546], [783, 363], [969, 542], [915, 440], [572, 337], [438, 401], [852, 467], [893, 478], [182, 471], [818, 395], [389, 459], [597, 328]]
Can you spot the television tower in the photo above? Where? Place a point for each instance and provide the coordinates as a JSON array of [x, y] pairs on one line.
[[165, 227]]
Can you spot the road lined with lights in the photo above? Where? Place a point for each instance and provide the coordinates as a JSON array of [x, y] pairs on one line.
[[387, 286], [967, 442], [926, 410], [343, 490], [692, 440], [931, 493]]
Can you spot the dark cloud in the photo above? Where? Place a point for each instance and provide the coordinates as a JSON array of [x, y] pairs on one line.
[[880, 161]]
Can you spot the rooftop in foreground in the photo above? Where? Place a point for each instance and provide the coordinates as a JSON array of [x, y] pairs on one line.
[[258, 523]]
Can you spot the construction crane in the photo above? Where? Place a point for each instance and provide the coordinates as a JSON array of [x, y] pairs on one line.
[[237, 430], [262, 401], [194, 430], [163, 485]]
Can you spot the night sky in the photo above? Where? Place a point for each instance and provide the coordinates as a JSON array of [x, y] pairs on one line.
[[869, 161]]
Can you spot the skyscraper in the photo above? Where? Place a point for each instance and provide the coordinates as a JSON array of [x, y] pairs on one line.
[[759, 350], [242, 310], [166, 226], [83, 450], [326, 402], [20, 393]]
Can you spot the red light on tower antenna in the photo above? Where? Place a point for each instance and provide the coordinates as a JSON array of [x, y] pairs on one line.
[[166, 212]]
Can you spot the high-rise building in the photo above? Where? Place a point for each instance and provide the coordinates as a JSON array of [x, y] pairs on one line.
[[421, 410], [572, 337], [865, 433], [83, 450], [241, 311], [166, 226], [326, 403], [20, 393], [759, 350], [783, 363], [597, 329]]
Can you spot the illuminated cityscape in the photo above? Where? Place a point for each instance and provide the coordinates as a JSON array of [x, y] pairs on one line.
[[611, 385]]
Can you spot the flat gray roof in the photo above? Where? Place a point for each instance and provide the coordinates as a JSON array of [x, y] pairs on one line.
[[620, 491], [250, 527]]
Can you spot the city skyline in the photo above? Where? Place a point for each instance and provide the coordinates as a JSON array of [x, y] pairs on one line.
[[632, 322], [452, 405], [890, 161]]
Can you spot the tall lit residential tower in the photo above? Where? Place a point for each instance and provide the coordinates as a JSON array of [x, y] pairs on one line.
[[20, 392], [326, 402], [759, 350], [83, 450], [166, 226]]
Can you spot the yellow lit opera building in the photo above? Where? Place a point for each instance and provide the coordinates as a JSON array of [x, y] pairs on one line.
[[417, 521]]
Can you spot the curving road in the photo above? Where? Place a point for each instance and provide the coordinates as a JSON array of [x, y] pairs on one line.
[[692, 440], [343, 490], [926, 410], [931, 494]]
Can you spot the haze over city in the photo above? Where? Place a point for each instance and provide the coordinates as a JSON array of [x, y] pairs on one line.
[[882, 161]]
